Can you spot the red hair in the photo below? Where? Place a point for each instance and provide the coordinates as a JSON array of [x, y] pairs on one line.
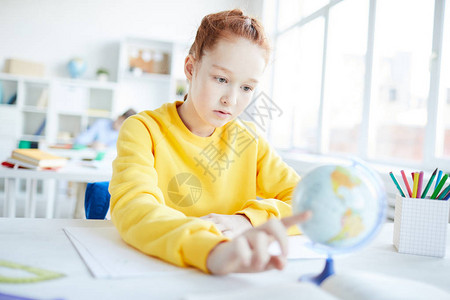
[[228, 24]]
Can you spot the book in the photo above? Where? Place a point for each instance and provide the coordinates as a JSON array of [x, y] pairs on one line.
[[13, 99], [17, 164], [41, 128], [348, 286], [42, 102], [38, 158], [14, 163]]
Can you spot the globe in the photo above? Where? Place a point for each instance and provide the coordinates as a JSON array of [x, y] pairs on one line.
[[77, 67], [348, 205]]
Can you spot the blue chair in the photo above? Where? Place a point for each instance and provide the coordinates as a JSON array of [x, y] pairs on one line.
[[96, 200]]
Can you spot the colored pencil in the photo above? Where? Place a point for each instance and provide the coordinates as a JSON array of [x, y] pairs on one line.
[[447, 197], [438, 179], [412, 176], [415, 185], [396, 184], [444, 193], [427, 187], [406, 183], [419, 187], [439, 187]]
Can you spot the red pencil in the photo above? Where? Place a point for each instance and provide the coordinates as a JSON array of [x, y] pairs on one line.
[[406, 183]]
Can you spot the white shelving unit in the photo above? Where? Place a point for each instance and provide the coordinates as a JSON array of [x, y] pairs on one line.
[[53, 110], [69, 106]]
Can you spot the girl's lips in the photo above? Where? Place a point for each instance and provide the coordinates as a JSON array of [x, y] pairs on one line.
[[222, 114]]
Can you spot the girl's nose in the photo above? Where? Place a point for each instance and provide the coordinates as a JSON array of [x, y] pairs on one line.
[[224, 100], [228, 99]]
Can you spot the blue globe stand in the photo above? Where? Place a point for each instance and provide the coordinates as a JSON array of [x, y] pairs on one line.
[[328, 270]]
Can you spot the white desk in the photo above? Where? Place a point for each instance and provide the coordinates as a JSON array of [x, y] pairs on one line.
[[42, 243], [72, 172]]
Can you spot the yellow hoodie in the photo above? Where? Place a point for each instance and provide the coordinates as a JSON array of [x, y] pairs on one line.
[[165, 177]]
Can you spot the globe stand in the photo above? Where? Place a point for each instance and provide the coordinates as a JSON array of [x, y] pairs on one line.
[[328, 270]]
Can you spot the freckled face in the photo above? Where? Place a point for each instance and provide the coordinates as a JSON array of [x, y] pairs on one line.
[[221, 84]]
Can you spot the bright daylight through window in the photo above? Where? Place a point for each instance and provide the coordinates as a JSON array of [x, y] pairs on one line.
[[364, 77]]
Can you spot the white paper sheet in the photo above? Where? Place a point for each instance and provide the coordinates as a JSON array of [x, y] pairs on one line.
[[108, 256], [298, 248]]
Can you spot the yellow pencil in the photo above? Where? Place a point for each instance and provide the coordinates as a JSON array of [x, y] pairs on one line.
[[416, 184]]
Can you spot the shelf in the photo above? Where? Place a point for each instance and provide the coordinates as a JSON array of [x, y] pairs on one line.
[[68, 141], [32, 138], [70, 113], [93, 84], [96, 84], [34, 109], [30, 79], [8, 106], [148, 77], [97, 113]]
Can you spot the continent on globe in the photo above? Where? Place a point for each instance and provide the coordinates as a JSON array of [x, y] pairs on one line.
[[352, 226], [342, 178]]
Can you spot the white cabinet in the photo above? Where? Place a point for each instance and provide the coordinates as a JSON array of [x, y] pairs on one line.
[[150, 72], [53, 110]]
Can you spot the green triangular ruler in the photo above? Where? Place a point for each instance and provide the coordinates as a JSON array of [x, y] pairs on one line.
[[40, 274]]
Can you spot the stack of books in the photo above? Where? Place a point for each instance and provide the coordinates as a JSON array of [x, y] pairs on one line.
[[34, 159]]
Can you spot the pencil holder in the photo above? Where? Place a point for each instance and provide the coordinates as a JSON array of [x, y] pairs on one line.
[[420, 226]]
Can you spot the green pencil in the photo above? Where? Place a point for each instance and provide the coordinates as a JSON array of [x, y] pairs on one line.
[[439, 187], [396, 183], [444, 193], [424, 194]]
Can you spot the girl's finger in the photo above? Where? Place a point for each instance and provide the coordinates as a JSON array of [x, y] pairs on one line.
[[259, 242], [276, 262], [242, 256], [276, 230], [296, 219], [227, 233], [221, 227]]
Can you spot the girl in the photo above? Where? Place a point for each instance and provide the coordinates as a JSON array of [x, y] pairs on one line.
[[187, 175]]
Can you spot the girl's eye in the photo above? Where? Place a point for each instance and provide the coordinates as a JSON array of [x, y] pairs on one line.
[[221, 79], [247, 89]]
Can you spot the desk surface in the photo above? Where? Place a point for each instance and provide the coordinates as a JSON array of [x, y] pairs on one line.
[[42, 243], [73, 171]]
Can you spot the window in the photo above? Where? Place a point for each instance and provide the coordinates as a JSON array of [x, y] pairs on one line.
[[291, 10], [344, 76], [298, 65], [402, 49], [443, 118], [365, 78]]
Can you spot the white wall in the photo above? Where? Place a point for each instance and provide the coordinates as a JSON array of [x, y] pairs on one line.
[[54, 31]]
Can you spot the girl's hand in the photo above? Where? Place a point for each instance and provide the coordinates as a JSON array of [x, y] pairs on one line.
[[229, 225], [249, 252]]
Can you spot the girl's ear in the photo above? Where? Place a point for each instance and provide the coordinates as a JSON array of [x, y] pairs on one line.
[[189, 64]]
